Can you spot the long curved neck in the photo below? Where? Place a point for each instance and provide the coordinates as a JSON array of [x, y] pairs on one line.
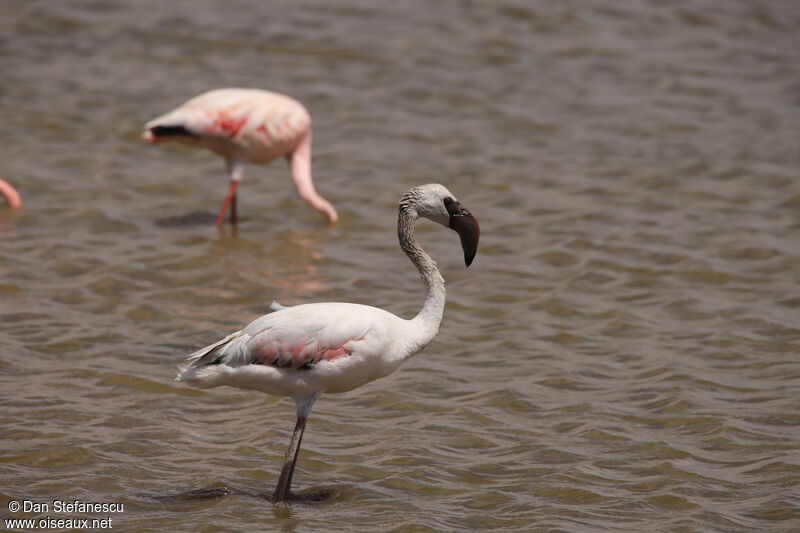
[[300, 167], [425, 325]]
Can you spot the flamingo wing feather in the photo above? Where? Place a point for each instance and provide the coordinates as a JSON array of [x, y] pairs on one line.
[[262, 124], [293, 337]]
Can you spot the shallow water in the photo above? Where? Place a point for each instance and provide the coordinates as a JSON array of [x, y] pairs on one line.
[[622, 355]]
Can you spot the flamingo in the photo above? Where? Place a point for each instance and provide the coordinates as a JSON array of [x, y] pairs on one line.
[[10, 194], [245, 126], [305, 350]]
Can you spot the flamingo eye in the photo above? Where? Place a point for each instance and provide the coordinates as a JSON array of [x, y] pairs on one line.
[[453, 207]]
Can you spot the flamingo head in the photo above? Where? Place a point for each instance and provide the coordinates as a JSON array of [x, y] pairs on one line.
[[435, 202]]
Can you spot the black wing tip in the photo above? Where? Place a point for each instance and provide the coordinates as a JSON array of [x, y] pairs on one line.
[[172, 131]]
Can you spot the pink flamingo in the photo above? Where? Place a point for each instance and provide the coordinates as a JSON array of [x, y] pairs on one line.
[[305, 350], [10, 194], [246, 126]]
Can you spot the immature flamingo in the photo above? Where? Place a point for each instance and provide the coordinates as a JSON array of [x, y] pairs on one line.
[[246, 126], [305, 350], [10, 194]]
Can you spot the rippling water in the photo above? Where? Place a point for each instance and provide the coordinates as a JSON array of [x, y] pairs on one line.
[[622, 355]]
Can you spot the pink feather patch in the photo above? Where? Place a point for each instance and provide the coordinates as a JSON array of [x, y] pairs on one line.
[[297, 356]]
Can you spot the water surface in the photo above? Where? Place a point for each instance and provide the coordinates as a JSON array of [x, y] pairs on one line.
[[621, 356]]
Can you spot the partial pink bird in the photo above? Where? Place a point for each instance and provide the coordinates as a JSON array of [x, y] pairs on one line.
[[10, 194], [306, 350], [246, 126]]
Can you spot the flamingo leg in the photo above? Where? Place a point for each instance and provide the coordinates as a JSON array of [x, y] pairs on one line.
[[230, 200], [233, 209], [285, 480]]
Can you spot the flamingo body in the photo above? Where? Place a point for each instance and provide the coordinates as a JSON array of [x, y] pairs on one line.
[[306, 350], [245, 126]]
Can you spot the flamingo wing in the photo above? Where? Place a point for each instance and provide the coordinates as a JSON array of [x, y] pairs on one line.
[[296, 338], [261, 124]]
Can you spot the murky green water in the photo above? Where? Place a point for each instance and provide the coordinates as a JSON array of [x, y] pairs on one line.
[[622, 355]]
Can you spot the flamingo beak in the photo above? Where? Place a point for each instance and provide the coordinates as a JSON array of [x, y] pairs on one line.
[[462, 221]]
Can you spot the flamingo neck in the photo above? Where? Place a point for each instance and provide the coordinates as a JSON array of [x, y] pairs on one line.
[[10, 194], [300, 166], [425, 325]]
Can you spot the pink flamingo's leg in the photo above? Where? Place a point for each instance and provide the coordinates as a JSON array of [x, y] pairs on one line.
[[235, 172], [233, 209], [230, 199]]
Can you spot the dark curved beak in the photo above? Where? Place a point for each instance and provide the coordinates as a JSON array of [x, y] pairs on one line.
[[462, 221]]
